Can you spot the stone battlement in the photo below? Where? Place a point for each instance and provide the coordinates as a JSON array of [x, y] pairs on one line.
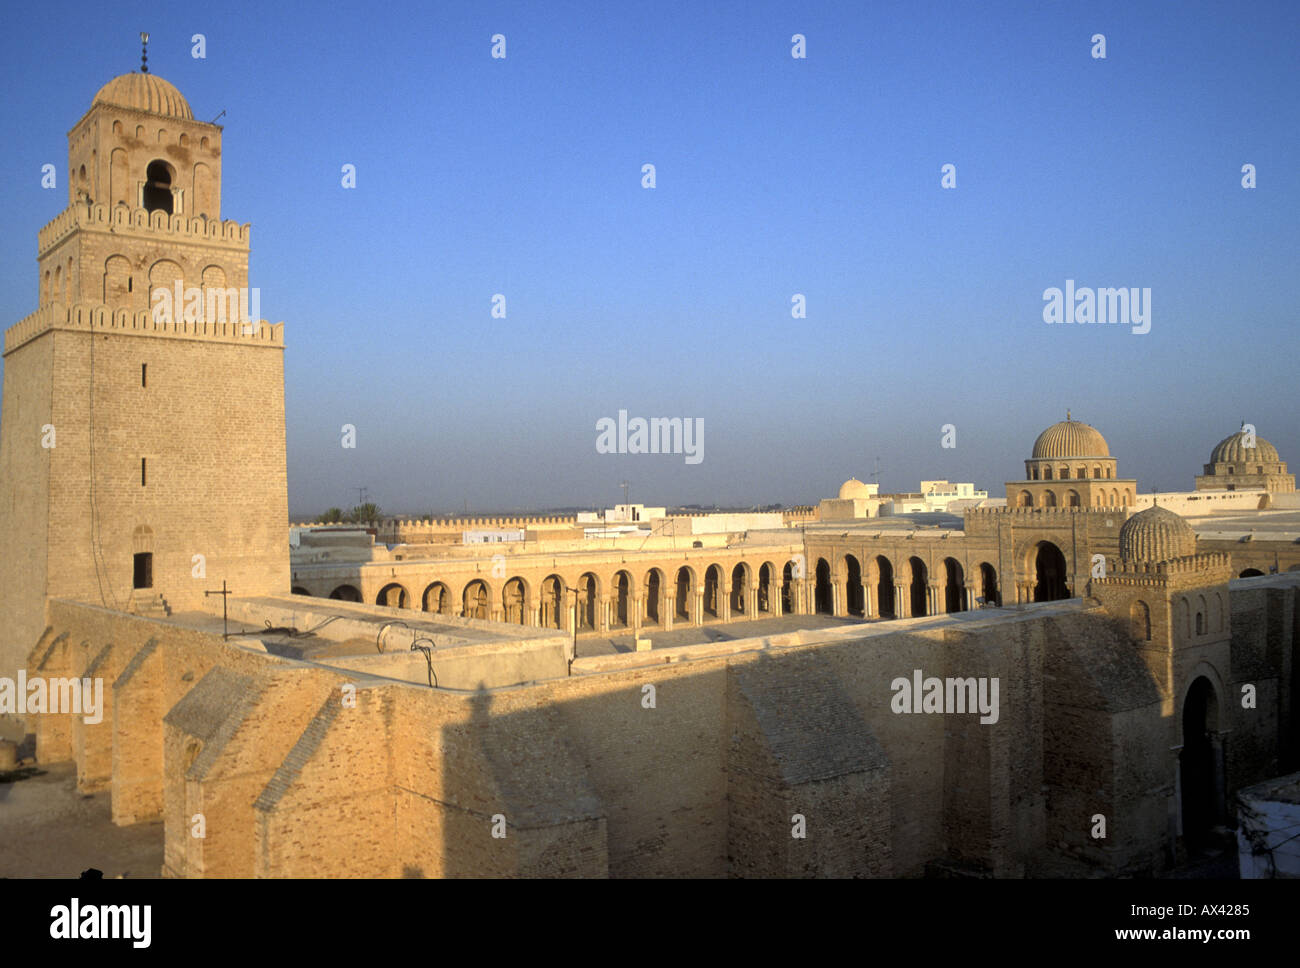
[[1028, 514], [97, 215], [88, 316]]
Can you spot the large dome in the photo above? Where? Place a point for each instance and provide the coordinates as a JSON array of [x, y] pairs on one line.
[[1233, 450], [1069, 439], [1156, 534], [145, 92], [854, 488]]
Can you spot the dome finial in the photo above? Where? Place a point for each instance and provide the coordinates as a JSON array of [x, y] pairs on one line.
[[144, 53], [1067, 413]]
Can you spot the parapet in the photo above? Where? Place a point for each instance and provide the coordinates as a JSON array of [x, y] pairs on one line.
[[96, 214], [91, 316]]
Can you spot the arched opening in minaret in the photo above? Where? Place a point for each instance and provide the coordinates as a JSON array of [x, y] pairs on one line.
[[1049, 573], [1199, 777], [158, 187]]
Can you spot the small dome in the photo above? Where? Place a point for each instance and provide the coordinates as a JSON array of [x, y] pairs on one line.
[[1156, 534], [854, 488], [145, 92], [1070, 439], [1233, 450]]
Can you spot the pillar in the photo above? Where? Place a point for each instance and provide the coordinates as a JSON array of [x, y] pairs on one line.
[[902, 601]]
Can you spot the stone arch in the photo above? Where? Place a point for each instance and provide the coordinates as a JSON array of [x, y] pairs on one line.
[[164, 274], [738, 598], [884, 568], [437, 599], [1139, 621], [823, 594], [476, 600], [684, 583], [1250, 573], [588, 599], [787, 588], [1128, 496], [553, 610], [1072, 498], [514, 601], [393, 595], [1114, 498], [160, 177], [1200, 763], [1201, 611], [918, 587], [989, 585], [1025, 499], [766, 571], [1216, 612], [1049, 498], [621, 592], [654, 597], [954, 586], [205, 191], [298, 590], [1183, 618], [712, 603], [119, 178], [854, 602], [117, 282], [346, 593], [1047, 473], [1049, 571]]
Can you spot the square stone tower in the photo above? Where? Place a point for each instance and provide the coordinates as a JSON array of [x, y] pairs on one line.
[[142, 450]]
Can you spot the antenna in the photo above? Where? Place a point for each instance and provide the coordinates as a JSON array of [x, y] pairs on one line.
[[624, 486], [144, 53], [875, 472], [218, 117]]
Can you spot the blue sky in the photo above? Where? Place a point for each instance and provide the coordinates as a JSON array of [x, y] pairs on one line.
[[775, 176]]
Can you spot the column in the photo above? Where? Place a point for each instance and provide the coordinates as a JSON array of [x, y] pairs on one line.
[[669, 612], [699, 607], [774, 597], [869, 600], [902, 603]]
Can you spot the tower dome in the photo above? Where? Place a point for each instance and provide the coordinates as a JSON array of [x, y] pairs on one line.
[[1233, 450], [145, 92], [854, 488], [1069, 439], [1156, 534]]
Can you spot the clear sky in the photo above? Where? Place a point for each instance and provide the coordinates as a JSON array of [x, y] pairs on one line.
[[774, 176]]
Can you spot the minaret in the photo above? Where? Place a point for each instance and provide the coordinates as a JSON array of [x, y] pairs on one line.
[[142, 446]]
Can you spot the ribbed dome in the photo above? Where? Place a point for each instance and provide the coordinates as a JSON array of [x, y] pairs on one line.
[[853, 488], [145, 92], [1156, 534], [1070, 439], [1232, 450]]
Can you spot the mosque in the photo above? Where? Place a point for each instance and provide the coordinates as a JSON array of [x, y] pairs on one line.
[[424, 709]]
